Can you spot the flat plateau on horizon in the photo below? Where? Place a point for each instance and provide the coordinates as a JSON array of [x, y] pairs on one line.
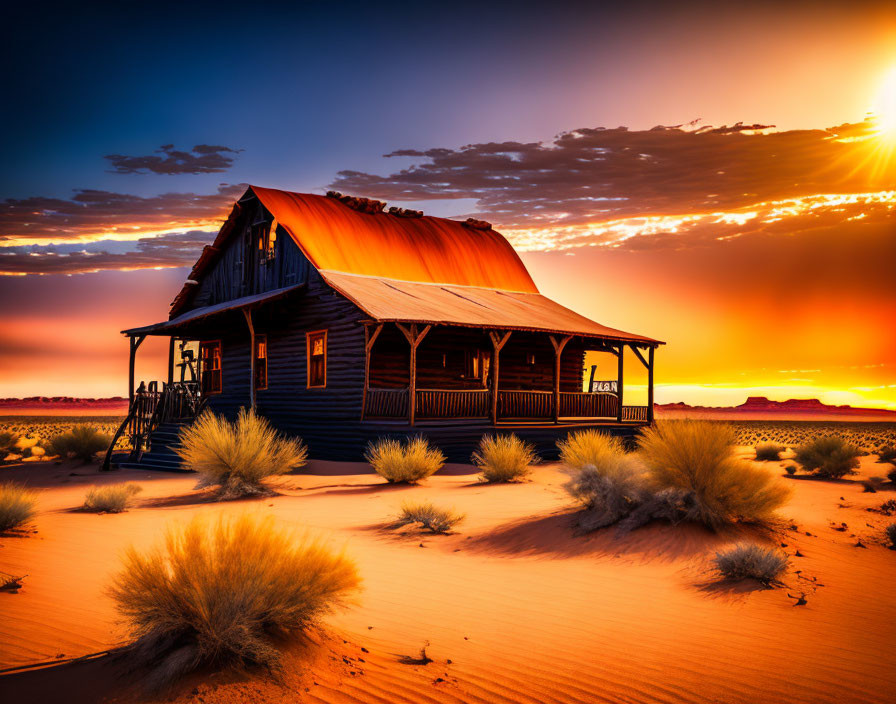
[[512, 607]]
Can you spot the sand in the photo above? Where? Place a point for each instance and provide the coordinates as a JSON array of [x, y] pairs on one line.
[[514, 607]]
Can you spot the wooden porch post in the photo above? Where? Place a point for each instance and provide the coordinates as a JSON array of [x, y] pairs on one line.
[[650, 384], [134, 343], [414, 339], [619, 365], [170, 360], [247, 312], [558, 351], [369, 339], [497, 343]]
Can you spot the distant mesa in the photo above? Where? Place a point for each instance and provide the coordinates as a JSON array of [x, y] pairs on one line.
[[762, 408], [63, 405]]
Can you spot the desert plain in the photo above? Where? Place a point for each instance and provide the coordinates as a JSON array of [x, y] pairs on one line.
[[513, 606]]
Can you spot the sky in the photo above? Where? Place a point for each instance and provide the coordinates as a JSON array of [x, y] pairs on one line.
[[718, 176]]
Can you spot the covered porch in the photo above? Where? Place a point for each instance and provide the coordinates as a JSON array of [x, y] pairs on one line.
[[423, 373]]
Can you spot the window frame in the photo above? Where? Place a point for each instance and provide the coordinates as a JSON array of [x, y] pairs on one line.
[[211, 344], [474, 364], [310, 336], [259, 339]]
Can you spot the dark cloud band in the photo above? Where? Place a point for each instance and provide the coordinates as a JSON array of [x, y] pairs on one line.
[[204, 159], [594, 174]]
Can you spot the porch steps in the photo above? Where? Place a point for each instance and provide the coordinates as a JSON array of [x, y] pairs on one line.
[[161, 455]]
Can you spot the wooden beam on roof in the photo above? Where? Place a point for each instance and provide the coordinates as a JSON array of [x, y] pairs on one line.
[[619, 371], [170, 360], [247, 312], [558, 351], [650, 353], [414, 339], [369, 339], [498, 342], [640, 356], [134, 341]]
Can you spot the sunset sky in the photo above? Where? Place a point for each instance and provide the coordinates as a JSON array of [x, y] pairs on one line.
[[719, 176]]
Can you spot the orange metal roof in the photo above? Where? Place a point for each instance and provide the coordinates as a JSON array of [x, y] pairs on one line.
[[406, 301], [429, 249]]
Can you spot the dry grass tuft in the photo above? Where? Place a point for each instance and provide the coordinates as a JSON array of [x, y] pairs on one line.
[[608, 493], [430, 517], [82, 442], [238, 456], [769, 452], [8, 443], [113, 498], [588, 447], [504, 458], [887, 454], [829, 457], [697, 457], [17, 506], [749, 561], [224, 592], [890, 530], [408, 462]]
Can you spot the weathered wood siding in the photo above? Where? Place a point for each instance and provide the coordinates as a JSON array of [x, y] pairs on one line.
[[324, 417], [241, 269]]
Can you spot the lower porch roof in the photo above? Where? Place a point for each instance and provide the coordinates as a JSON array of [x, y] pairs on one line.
[[392, 300], [176, 324]]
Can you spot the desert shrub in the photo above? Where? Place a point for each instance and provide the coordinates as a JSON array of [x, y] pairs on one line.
[[238, 456], [8, 442], [504, 458], [113, 498], [430, 517], [752, 561], [890, 530], [218, 593], [82, 442], [404, 462], [608, 493], [769, 452], [17, 506], [884, 454], [697, 457], [891, 475], [830, 457], [588, 447], [790, 469]]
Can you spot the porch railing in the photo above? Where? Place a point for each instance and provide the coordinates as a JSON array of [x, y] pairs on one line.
[[525, 404], [387, 403], [434, 403], [150, 408], [634, 413], [512, 405]]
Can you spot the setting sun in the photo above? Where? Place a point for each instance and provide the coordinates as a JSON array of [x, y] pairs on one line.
[[885, 106]]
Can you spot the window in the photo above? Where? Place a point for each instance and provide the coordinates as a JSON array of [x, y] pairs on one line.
[[473, 364], [261, 362], [210, 366], [267, 241], [316, 350]]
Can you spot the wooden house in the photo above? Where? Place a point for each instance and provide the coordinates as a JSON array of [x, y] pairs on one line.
[[341, 321]]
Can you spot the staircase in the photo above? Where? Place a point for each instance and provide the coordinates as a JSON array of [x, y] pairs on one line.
[[153, 425], [160, 455]]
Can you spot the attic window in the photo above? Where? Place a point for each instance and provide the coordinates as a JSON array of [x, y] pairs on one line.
[[267, 241]]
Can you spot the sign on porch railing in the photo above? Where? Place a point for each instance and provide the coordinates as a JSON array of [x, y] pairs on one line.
[[604, 386]]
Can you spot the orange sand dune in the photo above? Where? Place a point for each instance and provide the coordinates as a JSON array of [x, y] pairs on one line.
[[524, 610]]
